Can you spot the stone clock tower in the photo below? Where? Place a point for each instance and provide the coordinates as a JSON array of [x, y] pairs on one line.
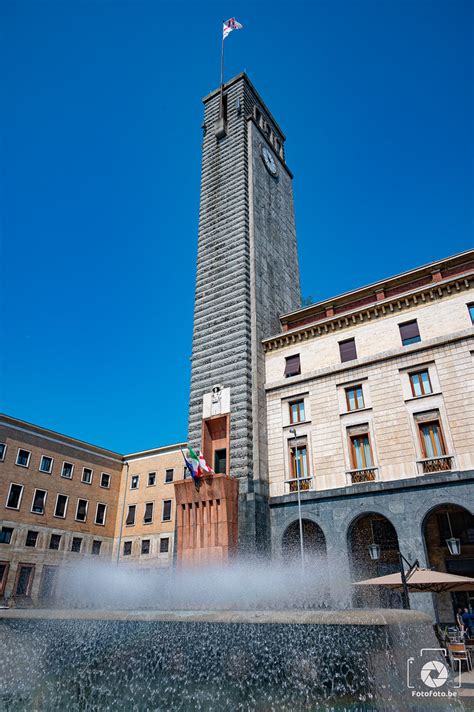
[[247, 275]]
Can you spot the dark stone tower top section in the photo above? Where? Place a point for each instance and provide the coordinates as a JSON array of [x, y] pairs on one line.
[[247, 275], [255, 108]]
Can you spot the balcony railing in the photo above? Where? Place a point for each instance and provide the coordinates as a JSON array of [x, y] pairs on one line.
[[365, 474], [305, 484], [436, 464]]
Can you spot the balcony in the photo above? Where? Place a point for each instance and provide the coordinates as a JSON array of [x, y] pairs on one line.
[[436, 464], [365, 474], [306, 483]]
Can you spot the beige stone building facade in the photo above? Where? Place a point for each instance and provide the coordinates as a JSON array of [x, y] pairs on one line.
[[63, 499], [370, 400], [357, 377]]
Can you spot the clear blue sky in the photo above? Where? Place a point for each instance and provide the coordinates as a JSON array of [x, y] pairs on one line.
[[100, 167]]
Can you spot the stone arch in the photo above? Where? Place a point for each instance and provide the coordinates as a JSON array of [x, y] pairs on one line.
[[367, 528], [424, 511], [441, 522]]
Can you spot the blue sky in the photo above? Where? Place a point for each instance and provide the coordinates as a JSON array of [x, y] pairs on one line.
[[100, 155]]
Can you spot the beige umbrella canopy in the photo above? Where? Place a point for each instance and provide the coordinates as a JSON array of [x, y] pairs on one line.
[[422, 581]]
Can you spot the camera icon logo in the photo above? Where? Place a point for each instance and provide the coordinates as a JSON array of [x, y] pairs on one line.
[[434, 674], [430, 670]]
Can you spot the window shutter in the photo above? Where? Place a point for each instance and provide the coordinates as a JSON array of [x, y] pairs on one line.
[[148, 512], [39, 499], [293, 365], [131, 515], [347, 350], [427, 417], [361, 429], [409, 330]]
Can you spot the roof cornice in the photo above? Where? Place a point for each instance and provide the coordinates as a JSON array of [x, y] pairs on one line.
[[375, 310], [53, 436], [383, 284]]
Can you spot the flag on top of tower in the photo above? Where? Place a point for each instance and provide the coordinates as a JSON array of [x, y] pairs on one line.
[[230, 25]]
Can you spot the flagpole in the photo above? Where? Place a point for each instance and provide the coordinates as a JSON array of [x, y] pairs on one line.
[[221, 104], [184, 458]]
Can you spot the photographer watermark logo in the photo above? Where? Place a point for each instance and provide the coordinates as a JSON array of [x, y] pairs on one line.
[[427, 674], [434, 673]]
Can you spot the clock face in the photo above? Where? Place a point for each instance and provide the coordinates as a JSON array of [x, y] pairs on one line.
[[269, 161]]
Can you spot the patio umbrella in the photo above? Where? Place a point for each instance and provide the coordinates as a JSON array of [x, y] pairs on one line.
[[422, 581]]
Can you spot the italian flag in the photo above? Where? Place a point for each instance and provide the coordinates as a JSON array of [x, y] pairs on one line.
[[193, 464], [204, 467]]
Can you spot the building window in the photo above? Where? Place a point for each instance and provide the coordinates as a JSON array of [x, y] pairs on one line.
[[46, 464], [39, 500], [220, 461], [297, 411], [4, 566], [100, 513], [24, 579], [86, 475], [105, 480], [347, 350], [420, 383], [81, 510], [135, 481], [31, 538], [355, 398], [151, 479], [3, 449], [48, 582], [76, 544], [6, 534], [14, 496], [67, 470], [292, 366], [164, 545], [299, 467], [55, 541], [409, 332], [127, 548], [169, 474], [432, 441], [145, 546], [23, 458], [130, 521], [61, 506], [148, 516], [96, 544], [471, 311], [361, 451], [166, 510]]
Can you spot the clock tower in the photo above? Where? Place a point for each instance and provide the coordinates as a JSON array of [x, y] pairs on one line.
[[247, 275]]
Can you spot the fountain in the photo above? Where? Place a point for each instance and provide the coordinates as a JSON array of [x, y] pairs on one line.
[[240, 637]]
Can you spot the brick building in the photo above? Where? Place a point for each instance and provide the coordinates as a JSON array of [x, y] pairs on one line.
[[63, 499]]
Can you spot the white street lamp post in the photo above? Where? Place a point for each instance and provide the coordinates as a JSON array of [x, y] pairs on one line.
[[298, 480]]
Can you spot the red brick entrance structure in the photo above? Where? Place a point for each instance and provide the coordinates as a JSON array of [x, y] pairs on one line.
[[206, 519]]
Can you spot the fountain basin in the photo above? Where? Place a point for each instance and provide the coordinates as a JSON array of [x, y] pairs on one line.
[[212, 660]]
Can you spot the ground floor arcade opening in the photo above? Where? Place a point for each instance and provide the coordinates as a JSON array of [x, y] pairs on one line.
[[448, 532]]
